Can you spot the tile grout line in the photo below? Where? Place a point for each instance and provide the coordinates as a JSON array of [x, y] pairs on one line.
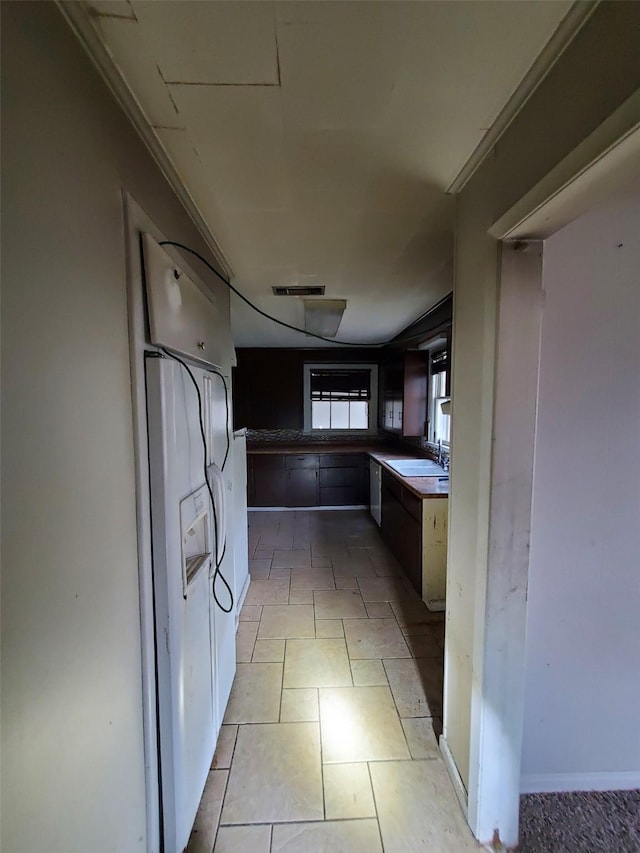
[[395, 705], [305, 822], [284, 658], [233, 752], [222, 799], [324, 799], [375, 805]]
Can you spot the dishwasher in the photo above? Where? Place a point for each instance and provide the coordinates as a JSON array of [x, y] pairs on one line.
[[375, 490]]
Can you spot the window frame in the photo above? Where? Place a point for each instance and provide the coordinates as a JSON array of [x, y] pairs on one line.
[[438, 343], [372, 429], [432, 400]]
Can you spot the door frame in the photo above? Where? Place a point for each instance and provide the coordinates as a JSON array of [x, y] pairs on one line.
[[598, 167]]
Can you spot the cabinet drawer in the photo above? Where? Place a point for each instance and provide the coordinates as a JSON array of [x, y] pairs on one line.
[[266, 462], [340, 477], [340, 460], [339, 496], [394, 486], [412, 504], [307, 460]]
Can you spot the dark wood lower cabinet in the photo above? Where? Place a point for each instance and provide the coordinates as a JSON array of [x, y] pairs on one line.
[[400, 528], [301, 487], [308, 479], [411, 551], [340, 496], [266, 481], [391, 523], [351, 476]]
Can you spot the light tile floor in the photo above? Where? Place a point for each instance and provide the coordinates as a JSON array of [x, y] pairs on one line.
[[329, 742]]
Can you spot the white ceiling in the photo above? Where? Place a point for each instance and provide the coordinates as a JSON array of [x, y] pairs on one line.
[[318, 139]]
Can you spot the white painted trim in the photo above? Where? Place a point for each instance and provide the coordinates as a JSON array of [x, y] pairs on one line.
[[607, 159], [564, 34], [79, 19], [546, 783], [497, 704], [305, 508], [136, 221], [456, 779], [436, 605]]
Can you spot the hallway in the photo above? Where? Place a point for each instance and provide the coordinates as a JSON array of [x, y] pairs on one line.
[[330, 737]]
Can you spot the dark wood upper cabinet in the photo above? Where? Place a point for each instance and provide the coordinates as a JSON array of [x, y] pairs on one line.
[[403, 394], [268, 385]]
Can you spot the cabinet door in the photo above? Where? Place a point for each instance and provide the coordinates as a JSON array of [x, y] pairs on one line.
[[397, 415], [390, 390], [302, 487], [391, 522], [411, 554], [268, 488], [434, 554], [412, 504], [415, 394], [388, 414], [363, 495], [250, 482], [267, 480]]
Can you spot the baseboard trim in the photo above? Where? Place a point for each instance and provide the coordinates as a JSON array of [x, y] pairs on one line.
[[547, 783], [305, 508], [456, 779]]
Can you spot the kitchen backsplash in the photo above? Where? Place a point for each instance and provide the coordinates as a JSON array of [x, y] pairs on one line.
[[297, 436]]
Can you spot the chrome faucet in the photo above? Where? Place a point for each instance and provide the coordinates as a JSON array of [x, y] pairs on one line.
[[443, 457]]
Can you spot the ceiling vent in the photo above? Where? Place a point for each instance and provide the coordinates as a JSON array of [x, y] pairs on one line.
[[316, 290]]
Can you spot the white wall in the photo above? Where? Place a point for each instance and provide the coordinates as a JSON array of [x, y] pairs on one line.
[[582, 697], [72, 740]]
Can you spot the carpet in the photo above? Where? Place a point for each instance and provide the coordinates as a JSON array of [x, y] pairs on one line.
[[580, 822]]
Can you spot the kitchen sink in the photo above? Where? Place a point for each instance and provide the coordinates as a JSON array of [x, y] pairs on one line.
[[417, 468]]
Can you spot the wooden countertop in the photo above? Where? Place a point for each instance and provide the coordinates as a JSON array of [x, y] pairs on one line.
[[422, 487]]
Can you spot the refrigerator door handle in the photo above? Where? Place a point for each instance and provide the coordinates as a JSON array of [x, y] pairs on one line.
[[216, 481]]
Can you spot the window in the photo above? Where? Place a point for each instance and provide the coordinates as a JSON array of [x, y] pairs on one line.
[[439, 422], [340, 397]]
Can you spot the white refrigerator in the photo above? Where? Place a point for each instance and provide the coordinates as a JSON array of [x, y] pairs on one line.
[[191, 535]]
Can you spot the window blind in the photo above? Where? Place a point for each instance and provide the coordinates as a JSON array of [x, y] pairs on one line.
[[439, 361], [340, 384]]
